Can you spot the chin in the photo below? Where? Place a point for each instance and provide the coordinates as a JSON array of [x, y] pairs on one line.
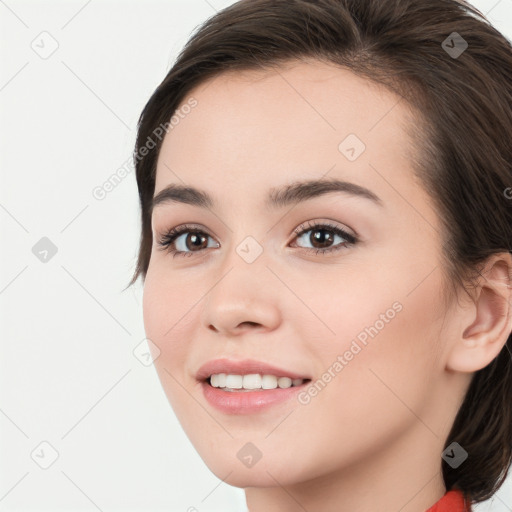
[[264, 473], [250, 477]]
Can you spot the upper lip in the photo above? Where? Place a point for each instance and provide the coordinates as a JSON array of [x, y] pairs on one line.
[[243, 367]]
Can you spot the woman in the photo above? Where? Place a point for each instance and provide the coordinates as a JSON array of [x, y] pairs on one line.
[[326, 242]]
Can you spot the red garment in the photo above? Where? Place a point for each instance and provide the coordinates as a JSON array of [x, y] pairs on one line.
[[452, 501]]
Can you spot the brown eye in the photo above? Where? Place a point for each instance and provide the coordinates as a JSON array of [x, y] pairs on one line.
[[185, 241], [323, 237], [195, 241]]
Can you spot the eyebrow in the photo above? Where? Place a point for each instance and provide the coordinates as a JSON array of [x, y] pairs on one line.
[[292, 193]]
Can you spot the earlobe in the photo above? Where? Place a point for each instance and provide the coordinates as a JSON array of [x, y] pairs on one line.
[[487, 323]]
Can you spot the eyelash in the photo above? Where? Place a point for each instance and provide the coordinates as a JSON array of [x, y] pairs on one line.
[[166, 240]]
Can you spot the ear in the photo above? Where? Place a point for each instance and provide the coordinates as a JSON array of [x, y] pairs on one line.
[[486, 323]]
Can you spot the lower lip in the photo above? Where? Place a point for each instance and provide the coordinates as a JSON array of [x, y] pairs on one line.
[[248, 402]]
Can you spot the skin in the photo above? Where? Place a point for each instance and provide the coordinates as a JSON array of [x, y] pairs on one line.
[[372, 438]]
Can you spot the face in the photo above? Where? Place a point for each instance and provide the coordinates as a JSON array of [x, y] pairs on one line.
[[340, 286]]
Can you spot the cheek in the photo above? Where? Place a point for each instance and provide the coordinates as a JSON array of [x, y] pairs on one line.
[[370, 392], [169, 301], [393, 314], [170, 322], [335, 309], [377, 336], [169, 313]]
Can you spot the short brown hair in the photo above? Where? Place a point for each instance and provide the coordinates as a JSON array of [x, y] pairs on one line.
[[463, 138]]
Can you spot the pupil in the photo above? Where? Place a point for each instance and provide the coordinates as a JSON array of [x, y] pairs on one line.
[[324, 240], [196, 239]]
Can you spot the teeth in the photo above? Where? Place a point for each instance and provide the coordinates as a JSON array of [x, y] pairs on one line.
[[284, 382], [234, 381], [269, 382], [252, 381]]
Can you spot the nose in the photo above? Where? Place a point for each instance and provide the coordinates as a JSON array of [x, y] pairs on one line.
[[246, 298]]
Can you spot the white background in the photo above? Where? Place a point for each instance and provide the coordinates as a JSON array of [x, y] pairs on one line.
[[68, 374]]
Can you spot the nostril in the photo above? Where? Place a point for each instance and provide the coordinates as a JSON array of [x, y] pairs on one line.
[[250, 324]]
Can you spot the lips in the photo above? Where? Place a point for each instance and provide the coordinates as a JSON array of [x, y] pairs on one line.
[[244, 367]]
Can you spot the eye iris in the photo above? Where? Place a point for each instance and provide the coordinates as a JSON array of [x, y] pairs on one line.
[[318, 235], [197, 241]]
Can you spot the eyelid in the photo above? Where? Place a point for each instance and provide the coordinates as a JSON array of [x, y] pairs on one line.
[[317, 223], [163, 241]]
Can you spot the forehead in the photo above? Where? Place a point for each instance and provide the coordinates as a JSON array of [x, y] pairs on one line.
[[258, 127]]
